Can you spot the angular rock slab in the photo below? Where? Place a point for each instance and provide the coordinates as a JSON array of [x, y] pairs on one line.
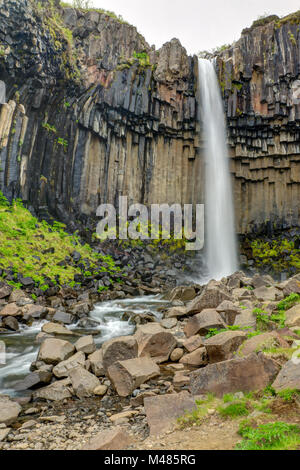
[[128, 375], [257, 343], [113, 439], [211, 297], [53, 351], [9, 410], [254, 372], [119, 349], [222, 346], [195, 359], [63, 368], [289, 376], [84, 383], [154, 341], [96, 361], [57, 391], [162, 411], [293, 316], [203, 322]]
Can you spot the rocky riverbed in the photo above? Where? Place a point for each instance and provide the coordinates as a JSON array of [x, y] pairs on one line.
[[133, 366]]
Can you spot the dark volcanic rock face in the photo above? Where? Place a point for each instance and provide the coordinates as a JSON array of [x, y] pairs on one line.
[[92, 112], [259, 77], [110, 116]]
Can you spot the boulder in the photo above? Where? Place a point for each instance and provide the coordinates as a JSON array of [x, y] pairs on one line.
[[112, 439], [100, 390], [195, 359], [57, 391], [289, 376], [5, 291], [266, 294], [11, 323], [63, 317], [128, 375], [176, 355], [96, 361], [169, 323], [63, 369], [246, 319], [16, 295], [56, 329], [203, 322], [53, 351], [254, 372], [293, 316], [34, 380], [35, 311], [193, 343], [81, 308], [222, 346], [155, 341], [86, 345], [212, 296], [11, 310], [228, 312], [119, 349], [84, 383], [261, 342], [183, 293], [9, 410], [176, 312], [292, 286], [163, 411]]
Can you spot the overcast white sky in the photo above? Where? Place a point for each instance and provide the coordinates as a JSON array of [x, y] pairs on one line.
[[199, 24]]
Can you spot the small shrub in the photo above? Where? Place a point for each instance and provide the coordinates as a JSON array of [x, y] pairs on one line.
[[234, 410], [270, 436]]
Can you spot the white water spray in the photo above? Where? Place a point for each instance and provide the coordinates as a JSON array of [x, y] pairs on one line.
[[221, 252]]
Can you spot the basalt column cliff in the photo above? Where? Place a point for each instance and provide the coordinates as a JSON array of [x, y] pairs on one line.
[[92, 112]]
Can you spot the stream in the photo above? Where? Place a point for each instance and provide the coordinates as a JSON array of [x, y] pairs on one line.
[[21, 349]]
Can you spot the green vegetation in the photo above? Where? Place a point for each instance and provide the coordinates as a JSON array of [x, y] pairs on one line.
[[280, 254], [49, 128], [87, 5], [39, 250], [288, 395], [62, 39], [234, 410], [214, 331], [288, 302], [196, 417], [293, 18], [269, 436]]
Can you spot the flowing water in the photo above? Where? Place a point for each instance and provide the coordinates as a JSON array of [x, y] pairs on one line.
[[221, 249], [21, 349]]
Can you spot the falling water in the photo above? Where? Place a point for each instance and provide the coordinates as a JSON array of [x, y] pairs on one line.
[[221, 253]]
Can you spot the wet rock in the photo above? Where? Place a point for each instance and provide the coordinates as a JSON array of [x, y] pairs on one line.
[[84, 383], [155, 342], [163, 411], [222, 346], [56, 329], [128, 375], [63, 317], [9, 410], [11, 323], [81, 308], [63, 368], [113, 439], [119, 349], [203, 322], [182, 293], [254, 372], [53, 351], [34, 311]]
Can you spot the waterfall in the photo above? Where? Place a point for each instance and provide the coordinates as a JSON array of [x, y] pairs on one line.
[[220, 246]]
